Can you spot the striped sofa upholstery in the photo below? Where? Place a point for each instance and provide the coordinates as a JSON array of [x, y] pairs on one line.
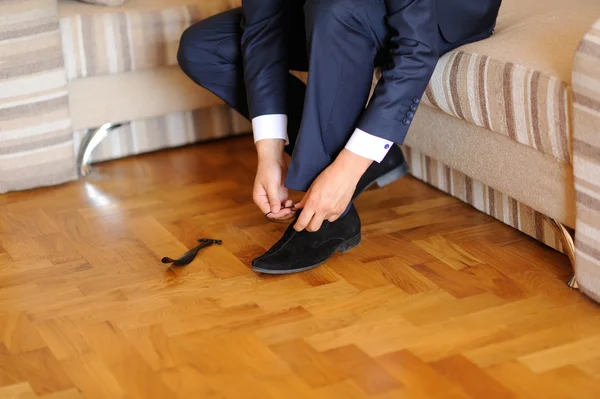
[[482, 197], [169, 131], [36, 138], [142, 35], [518, 102], [586, 160]]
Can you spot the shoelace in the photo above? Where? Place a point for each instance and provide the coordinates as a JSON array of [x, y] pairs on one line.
[[283, 221]]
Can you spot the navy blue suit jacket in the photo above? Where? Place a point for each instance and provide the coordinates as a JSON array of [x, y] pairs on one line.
[[415, 27]]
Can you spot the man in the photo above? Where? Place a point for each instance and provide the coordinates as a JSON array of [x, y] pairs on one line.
[[339, 144]]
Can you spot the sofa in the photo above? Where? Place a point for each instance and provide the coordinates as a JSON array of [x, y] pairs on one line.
[[510, 125], [71, 68]]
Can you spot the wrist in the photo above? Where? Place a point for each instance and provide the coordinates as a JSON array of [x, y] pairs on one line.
[[353, 163], [270, 149]]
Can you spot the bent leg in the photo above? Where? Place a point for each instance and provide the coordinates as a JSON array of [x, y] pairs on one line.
[[210, 54], [344, 38]]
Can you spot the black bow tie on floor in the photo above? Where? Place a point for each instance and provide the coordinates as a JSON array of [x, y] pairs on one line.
[[190, 255]]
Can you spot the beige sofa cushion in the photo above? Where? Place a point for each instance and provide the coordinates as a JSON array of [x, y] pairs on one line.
[[99, 99], [517, 83], [141, 34], [534, 179]]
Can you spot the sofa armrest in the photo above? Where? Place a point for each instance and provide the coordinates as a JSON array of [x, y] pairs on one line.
[[36, 138], [586, 160]]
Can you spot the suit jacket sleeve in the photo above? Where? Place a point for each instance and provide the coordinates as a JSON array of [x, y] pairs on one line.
[[263, 48], [413, 57]]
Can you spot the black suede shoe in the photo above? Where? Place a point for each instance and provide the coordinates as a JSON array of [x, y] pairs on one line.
[[389, 170], [297, 252]]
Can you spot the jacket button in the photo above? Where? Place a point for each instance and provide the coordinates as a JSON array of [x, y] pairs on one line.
[[406, 121], [413, 107], [410, 114], [416, 100]]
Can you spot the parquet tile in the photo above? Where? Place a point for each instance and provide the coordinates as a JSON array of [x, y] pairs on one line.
[[475, 381], [438, 302]]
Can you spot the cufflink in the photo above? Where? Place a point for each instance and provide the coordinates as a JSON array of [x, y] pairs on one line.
[[387, 146]]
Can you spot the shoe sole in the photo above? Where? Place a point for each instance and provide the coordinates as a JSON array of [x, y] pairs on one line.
[[342, 248], [388, 178]]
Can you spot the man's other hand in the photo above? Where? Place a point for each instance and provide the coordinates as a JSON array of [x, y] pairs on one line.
[[269, 193], [331, 192]]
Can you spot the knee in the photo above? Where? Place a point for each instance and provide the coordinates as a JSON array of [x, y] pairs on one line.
[[192, 47], [201, 51], [329, 14]]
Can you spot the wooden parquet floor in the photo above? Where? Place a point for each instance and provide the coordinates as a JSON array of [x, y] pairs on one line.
[[439, 301]]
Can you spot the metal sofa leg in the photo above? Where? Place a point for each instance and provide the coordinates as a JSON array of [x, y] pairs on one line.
[[569, 246], [92, 139]]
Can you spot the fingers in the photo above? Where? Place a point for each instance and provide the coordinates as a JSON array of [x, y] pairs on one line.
[[285, 211], [283, 194], [336, 214], [304, 220], [282, 214], [274, 201], [313, 214], [333, 218], [260, 199], [312, 218], [302, 203], [315, 223]]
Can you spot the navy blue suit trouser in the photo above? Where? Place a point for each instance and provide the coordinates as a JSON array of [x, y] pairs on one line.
[[339, 45]]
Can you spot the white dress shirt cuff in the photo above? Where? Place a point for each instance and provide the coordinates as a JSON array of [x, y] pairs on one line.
[[368, 146], [270, 127]]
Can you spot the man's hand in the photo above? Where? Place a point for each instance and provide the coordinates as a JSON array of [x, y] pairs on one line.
[[269, 193], [331, 192]]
